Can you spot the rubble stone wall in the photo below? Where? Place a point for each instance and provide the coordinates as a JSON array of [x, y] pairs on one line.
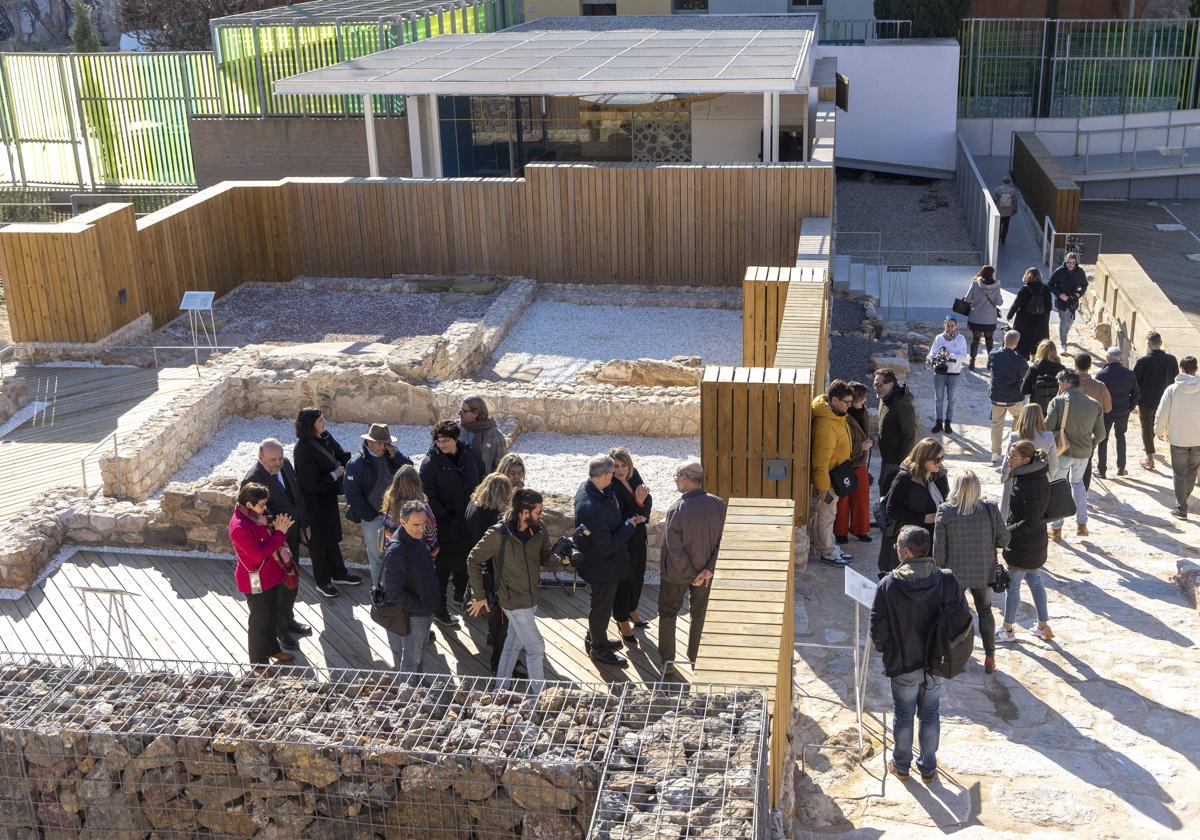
[[13, 396]]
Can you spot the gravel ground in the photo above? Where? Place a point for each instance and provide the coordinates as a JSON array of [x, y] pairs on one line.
[[257, 313], [910, 217], [846, 314], [564, 338], [848, 357]]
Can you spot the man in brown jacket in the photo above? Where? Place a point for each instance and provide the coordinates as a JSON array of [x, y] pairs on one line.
[[1098, 391], [691, 537]]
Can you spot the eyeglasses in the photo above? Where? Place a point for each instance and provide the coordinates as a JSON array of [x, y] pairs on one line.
[[466, 411], [939, 459]]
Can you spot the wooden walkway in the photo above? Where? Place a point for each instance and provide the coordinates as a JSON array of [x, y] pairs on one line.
[[187, 608], [84, 406]]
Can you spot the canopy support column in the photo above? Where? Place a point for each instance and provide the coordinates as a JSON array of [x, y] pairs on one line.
[[412, 107], [766, 131], [435, 138], [369, 121], [775, 123]]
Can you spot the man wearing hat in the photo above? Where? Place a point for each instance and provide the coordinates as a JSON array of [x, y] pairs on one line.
[[367, 479], [946, 357]]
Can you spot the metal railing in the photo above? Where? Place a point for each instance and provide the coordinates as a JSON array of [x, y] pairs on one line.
[[1056, 245], [858, 31], [1125, 149], [84, 460], [982, 215]]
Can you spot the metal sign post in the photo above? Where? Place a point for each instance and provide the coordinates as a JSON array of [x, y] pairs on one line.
[[862, 590], [114, 618], [195, 304], [895, 280]]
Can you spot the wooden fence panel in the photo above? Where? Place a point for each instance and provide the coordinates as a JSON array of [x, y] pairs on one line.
[[764, 296], [1046, 186]]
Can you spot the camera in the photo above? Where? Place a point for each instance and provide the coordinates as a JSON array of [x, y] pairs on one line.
[[941, 362], [564, 546]]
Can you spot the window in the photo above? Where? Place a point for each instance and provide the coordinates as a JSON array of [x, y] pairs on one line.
[[599, 9], [689, 6]]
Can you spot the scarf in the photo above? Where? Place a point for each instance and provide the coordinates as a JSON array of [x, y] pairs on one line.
[[477, 426], [283, 555]]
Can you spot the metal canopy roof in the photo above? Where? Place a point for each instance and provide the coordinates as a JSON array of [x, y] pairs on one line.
[[335, 11], [567, 63]]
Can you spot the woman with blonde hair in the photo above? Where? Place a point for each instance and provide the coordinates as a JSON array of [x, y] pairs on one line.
[[917, 490], [1041, 380], [1030, 426], [513, 468], [488, 503], [478, 431], [406, 487], [967, 530], [1030, 312], [633, 498]]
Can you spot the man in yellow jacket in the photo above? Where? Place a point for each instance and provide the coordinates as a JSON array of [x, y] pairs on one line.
[[831, 446]]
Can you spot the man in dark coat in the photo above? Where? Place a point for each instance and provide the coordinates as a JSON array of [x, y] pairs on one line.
[[897, 425], [275, 472], [1124, 392], [605, 553], [907, 603], [1067, 284], [367, 478], [1008, 373], [1154, 372], [449, 474]]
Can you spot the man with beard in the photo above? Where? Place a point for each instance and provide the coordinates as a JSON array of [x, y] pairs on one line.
[[831, 446]]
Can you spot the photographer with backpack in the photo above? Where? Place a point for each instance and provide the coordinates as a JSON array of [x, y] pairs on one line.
[[921, 625]]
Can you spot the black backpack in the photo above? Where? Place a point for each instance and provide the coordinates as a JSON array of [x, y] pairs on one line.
[[1036, 305], [951, 640]]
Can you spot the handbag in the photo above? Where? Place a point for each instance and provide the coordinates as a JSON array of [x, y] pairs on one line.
[[1003, 579], [1061, 442], [961, 306], [1062, 503], [391, 617], [843, 479]]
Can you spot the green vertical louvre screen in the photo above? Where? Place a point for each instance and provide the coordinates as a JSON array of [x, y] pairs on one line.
[[1077, 68], [101, 121]]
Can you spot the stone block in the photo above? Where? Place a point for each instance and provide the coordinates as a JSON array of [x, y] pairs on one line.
[[1103, 332], [896, 363], [1187, 578]]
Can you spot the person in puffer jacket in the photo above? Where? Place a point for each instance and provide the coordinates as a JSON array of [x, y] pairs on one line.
[[1175, 422], [832, 445], [1027, 541]]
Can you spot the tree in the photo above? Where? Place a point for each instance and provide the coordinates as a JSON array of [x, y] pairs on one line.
[[83, 33], [930, 18], [1194, 8], [181, 24]]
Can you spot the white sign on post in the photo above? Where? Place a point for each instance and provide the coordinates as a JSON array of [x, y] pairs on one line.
[[861, 588]]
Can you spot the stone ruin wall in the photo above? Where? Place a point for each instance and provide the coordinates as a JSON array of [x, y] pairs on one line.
[[100, 751], [13, 396]]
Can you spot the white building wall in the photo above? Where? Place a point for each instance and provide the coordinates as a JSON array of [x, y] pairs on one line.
[[903, 103], [729, 128], [832, 9]]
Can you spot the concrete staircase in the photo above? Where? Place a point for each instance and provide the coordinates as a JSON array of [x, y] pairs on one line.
[[854, 277]]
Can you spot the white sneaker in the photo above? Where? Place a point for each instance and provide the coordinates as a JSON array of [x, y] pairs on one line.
[[1044, 633], [1004, 636], [836, 558], [996, 460], [845, 555]]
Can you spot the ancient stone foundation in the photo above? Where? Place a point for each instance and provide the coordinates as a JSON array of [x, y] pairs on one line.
[[90, 749]]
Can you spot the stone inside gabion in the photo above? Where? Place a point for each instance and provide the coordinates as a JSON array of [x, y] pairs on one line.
[[100, 751]]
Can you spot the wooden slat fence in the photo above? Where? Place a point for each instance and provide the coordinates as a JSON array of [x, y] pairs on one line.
[[581, 223], [764, 294], [749, 627], [1046, 186]]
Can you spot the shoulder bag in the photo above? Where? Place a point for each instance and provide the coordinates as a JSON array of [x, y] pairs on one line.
[[961, 306], [843, 479], [1062, 503], [1061, 442]]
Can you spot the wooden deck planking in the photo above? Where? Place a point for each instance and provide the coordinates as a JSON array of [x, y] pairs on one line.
[[187, 608], [85, 406]]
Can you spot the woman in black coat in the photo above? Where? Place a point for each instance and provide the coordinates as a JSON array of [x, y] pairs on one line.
[[1041, 380], [1030, 312], [488, 503], [320, 464], [1026, 552], [449, 475], [913, 499], [633, 498]]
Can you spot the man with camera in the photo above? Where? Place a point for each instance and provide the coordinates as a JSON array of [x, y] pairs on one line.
[[1067, 284], [604, 551], [946, 357], [518, 547]]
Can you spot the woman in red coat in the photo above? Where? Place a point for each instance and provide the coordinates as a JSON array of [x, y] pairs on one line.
[[264, 566]]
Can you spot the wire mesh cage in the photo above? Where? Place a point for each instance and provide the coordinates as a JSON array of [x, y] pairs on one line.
[[137, 748]]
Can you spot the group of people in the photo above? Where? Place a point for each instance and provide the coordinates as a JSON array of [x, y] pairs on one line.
[[464, 522]]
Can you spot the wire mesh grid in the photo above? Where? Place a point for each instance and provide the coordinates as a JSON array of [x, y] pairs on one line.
[[126, 748], [686, 764]]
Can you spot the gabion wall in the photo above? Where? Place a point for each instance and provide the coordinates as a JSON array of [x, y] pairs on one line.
[[147, 749]]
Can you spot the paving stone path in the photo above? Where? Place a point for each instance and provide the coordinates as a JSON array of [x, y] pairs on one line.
[[1095, 734]]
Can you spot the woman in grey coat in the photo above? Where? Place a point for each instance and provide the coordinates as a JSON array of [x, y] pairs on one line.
[[985, 299], [478, 431], [967, 531]]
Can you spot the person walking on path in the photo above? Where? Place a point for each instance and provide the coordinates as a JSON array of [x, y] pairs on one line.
[[985, 299], [604, 554], [1027, 543], [1124, 395], [854, 510], [274, 471], [410, 581], [967, 530], [1097, 391], [1007, 198], [1077, 420], [691, 538], [1041, 381], [897, 425], [449, 475], [515, 550], [263, 564], [1068, 284], [489, 501], [1008, 375], [478, 431], [320, 466], [906, 606], [1030, 312], [946, 356], [1030, 426], [1176, 423], [368, 477], [1154, 372], [634, 499], [832, 447], [913, 499]]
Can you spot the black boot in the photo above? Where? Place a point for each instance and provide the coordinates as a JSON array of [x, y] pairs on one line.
[[946, 428]]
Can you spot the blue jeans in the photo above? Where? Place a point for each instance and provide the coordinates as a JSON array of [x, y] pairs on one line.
[[915, 692], [372, 533], [1012, 598], [412, 646], [1072, 469], [523, 634], [943, 395]]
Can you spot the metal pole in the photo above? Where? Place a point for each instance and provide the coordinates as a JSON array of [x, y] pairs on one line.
[[87, 147], [775, 128], [12, 121], [412, 105], [369, 122], [66, 97], [857, 679], [766, 138]]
